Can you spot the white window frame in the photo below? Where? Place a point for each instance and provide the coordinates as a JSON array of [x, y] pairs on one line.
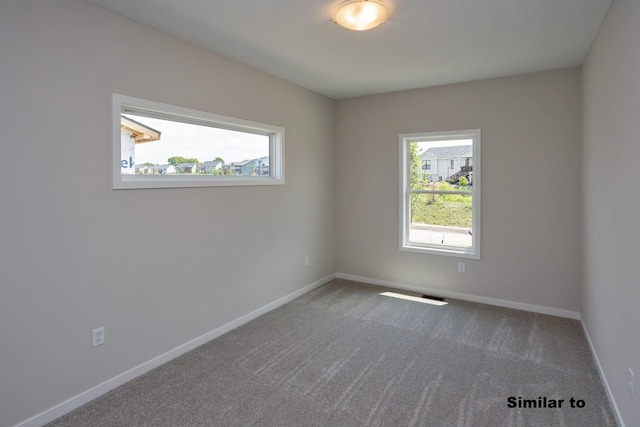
[[122, 103], [405, 194]]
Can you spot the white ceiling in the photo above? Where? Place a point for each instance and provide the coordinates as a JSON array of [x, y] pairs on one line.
[[424, 43]]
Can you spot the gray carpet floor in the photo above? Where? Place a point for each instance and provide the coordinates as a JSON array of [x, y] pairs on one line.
[[343, 355]]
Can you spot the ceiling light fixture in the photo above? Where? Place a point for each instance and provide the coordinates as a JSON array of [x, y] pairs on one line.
[[360, 15]]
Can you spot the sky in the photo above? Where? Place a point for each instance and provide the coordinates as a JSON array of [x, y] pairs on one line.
[[425, 145], [201, 142]]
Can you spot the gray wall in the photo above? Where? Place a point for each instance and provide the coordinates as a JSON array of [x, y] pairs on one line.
[[157, 268], [611, 132], [530, 186]]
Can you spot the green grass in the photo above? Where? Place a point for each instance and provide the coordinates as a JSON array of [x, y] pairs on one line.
[[452, 210]]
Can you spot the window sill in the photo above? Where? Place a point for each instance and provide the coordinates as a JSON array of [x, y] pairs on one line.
[[452, 252], [130, 182]]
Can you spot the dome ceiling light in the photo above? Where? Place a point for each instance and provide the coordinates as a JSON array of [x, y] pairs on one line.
[[360, 15]]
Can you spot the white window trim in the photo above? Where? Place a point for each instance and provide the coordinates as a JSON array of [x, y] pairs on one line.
[[172, 112], [405, 221]]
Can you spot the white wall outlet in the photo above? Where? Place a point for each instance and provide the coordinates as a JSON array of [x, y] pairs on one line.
[[306, 261], [632, 386], [461, 267], [97, 337]]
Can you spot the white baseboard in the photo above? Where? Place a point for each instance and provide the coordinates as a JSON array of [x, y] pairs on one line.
[[88, 395], [603, 378], [465, 297]]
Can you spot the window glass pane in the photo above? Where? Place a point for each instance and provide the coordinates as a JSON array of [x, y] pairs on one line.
[[441, 219], [154, 146], [433, 161], [158, 145]]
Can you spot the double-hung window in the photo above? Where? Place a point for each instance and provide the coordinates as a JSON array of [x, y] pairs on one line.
[[440, 210]]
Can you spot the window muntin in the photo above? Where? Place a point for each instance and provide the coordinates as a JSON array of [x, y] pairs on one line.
[[440, 210], [162, 146]]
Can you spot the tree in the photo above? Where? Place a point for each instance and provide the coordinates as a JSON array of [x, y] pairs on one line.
[[416, 177], [176, 160], [219, 159], [463, 181]]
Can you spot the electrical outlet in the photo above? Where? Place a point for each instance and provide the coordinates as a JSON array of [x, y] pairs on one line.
[[461, 267], [306, 261], [97, 337], [632, 386]]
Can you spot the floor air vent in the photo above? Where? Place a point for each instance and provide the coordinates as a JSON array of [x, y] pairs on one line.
[[424, 299], [432, 297]]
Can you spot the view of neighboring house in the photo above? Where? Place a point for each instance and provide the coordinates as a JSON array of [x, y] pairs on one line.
[[132, 133], [448, 163], [163, 169], [211, 166], [187, 168], [155, 169], [250, 167]]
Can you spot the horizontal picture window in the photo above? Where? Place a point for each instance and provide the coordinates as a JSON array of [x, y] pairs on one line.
[[163, 146]]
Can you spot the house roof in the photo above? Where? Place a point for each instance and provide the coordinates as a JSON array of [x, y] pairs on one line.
[[260, 160], [447, 152], [244, 162], [141, 132], [212, 163]]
